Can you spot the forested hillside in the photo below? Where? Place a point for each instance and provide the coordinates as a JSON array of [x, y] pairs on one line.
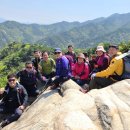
[[115, 29], [14, 56]]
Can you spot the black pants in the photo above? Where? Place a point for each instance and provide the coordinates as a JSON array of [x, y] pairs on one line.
[[60, 80], [51, 75], [80, 82], [98, 83], [15, 114], [32, 90]]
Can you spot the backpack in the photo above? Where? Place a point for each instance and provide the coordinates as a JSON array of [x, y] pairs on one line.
[[126, 68], [70, 59]]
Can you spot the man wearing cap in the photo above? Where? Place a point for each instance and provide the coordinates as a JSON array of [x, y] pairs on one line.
[[62, 68], [110, 75]]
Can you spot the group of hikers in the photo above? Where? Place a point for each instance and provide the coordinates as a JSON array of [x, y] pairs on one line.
[[99, 72]]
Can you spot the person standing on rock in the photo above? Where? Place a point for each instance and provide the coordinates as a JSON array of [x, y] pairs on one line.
[[71, 53], [63, 72], [36, 59], [14, 100]]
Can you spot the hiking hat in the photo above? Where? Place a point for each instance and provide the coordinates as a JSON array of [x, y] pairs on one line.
[[100, 48], [57, 50], [81, 55], [114, 46]]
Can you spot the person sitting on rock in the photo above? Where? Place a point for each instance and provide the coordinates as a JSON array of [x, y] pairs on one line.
[[101, 62], [47, 66], [80, 72], [110, 75], [63, 72], [14, 100], [28, 78]]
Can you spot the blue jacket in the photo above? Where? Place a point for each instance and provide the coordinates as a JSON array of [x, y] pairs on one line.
[[62, 67]]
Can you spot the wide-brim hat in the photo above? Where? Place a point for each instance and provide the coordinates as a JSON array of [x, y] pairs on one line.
[[100, 48], [81, 55]]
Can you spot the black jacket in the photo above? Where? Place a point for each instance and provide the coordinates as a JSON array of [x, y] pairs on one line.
[[15, 97]]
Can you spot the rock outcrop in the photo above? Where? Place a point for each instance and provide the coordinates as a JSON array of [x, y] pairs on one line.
[[104, 109]]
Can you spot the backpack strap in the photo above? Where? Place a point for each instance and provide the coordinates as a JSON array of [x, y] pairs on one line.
[[82, 73], [51, 62]]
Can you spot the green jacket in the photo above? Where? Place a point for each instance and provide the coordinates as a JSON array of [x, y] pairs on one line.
[[47, 66]]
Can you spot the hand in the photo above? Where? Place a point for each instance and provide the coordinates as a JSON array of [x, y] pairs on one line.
[[93, 75], [43, 78], [95, 66], [22, 107], [1, 91], [77, 77]]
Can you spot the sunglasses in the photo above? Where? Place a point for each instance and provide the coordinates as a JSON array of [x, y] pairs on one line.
[[57, 53], [28, 67], [11, 80]]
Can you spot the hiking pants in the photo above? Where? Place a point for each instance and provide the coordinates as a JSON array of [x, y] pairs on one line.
[[51, 75], [14, 114], [80, 82], [59, 80], [99, 82], [32, 91]]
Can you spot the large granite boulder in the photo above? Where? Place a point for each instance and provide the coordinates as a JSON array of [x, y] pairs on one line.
[[104, 109]]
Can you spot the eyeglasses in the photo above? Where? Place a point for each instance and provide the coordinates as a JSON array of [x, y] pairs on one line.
[[28, 67], [57, 53], [11, 80]]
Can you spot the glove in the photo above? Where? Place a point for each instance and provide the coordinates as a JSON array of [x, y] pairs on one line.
[[93, 75]]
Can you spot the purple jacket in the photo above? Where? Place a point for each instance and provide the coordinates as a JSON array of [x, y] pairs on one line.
[[62, 67]]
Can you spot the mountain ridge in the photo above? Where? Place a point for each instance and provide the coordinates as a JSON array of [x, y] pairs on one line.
[[85, 34]]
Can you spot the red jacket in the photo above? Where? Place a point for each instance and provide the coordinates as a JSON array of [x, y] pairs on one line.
[[81, 70]]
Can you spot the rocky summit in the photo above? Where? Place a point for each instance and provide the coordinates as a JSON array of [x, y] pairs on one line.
[[104, 109]]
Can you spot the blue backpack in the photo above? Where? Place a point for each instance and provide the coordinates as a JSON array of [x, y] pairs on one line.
[[126, 68]]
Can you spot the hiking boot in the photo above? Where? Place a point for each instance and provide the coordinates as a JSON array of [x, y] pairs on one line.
[[4, 123], [85, 86], [53, 87], [48, 81], [83, 90]]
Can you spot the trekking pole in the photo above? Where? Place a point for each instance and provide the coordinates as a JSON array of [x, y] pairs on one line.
[[46, 85]]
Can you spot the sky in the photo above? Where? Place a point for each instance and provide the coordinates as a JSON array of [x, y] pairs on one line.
[[53, 11]]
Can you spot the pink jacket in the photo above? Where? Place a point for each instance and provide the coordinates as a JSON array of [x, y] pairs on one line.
[[81, 70]]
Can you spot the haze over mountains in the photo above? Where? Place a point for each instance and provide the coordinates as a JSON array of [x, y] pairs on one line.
[[115, 28]]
